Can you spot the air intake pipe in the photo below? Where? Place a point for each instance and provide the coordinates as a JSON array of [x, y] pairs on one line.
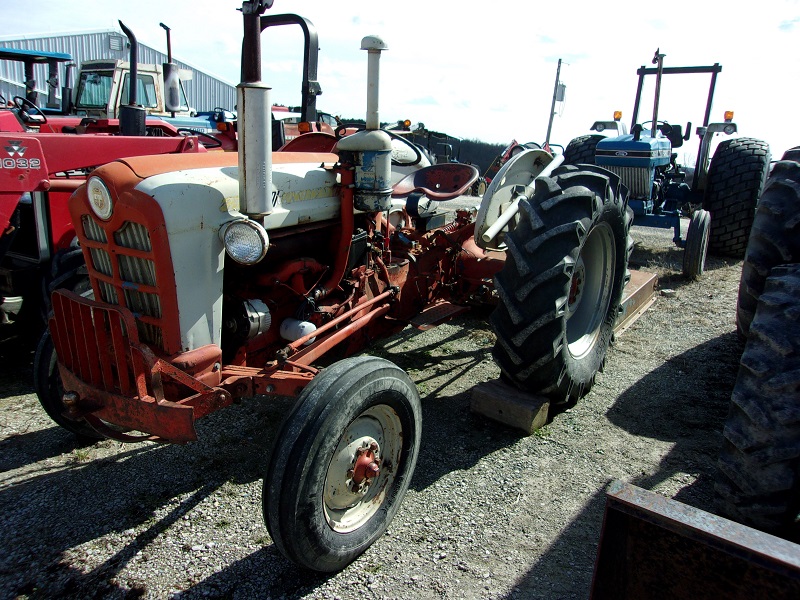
[[370, 151]]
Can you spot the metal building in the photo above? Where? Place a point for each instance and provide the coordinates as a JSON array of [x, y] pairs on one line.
[[205, 91]]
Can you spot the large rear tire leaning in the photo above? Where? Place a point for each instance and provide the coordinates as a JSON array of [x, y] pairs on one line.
[[342, 462], [561, 286], [581, 150], [736, 178], [758, 482], [775, 237]]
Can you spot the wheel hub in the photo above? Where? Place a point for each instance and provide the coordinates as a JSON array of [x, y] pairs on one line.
[[576, 286], [366, 467], [590, 290], [362, 468]]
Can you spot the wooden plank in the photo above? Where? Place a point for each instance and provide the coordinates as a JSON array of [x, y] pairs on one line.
[[637, 297], [501, 402], [528, 412]]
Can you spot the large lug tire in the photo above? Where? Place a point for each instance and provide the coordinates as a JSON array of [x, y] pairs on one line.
[[694, 254], [736, 178], [342, 462], [775, 237], [758, 481], [580, 151], [48, 388], [561, 286]]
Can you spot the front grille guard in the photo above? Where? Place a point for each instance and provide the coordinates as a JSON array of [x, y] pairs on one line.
[[116, 381]]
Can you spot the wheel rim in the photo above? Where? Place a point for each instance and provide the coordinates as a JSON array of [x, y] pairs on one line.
[[590, 290], [362, 468]]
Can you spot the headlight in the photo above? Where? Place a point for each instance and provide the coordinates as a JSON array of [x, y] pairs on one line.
[[245, 241], [99, 198]]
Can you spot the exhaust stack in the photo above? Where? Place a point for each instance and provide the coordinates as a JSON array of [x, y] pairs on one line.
[[254, 109], [255, 148]]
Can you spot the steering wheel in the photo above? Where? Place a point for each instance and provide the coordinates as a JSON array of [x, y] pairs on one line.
[[3, 101], [211, 141], [222, 115], [417, 153], [662, 126], [28, 110], [339, 131]]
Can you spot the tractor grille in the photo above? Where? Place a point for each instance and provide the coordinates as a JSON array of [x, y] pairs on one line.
[[94, 344], [637, 179], [123, 265]]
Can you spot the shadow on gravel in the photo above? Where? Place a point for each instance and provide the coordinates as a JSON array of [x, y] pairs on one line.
[[262, 574], [453, 438], [668, 263], [17, 349], [51, 516], [48, 514], [27, 448], [686, 400]]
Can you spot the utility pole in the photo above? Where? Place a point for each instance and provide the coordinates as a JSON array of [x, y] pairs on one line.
[[552, 108]]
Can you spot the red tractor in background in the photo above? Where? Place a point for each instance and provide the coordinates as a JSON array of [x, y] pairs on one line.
[[264, 272], [38, 173], [46, 155]]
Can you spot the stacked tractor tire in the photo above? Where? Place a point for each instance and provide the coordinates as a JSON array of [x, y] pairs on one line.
[[758, 481]]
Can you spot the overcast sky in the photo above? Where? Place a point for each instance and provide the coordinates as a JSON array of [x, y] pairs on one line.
[[486, 70]]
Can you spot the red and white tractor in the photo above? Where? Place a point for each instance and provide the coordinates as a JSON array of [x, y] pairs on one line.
[[264, 273]]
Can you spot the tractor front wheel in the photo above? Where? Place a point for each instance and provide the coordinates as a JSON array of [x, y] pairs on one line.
[[562, 283], [48, 388], [694, 254], [342, 462]]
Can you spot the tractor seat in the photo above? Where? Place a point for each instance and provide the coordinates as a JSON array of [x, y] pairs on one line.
[[438, 182]]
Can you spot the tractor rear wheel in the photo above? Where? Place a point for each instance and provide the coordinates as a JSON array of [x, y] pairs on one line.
[[736, 178], [758, 482], [562, 283], [694, 254], [775, 237], [581, 150], [342, 462]]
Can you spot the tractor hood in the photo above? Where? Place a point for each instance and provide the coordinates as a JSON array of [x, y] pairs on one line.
[[625, 151]]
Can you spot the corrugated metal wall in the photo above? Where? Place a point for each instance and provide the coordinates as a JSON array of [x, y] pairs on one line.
[[205, 91]]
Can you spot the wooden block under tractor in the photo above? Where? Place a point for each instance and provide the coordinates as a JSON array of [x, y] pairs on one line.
[[522, 410], [506, 404]]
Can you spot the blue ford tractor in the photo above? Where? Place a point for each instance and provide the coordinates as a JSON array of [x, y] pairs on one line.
[[719, 194]]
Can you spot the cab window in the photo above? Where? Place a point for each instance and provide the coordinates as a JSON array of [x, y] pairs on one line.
[[94, 89], [145, 90]]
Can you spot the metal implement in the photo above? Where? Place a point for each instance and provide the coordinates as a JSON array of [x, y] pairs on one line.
[[655, 547]]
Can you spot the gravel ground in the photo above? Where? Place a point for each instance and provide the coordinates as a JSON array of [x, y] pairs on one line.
[[490, 513]]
